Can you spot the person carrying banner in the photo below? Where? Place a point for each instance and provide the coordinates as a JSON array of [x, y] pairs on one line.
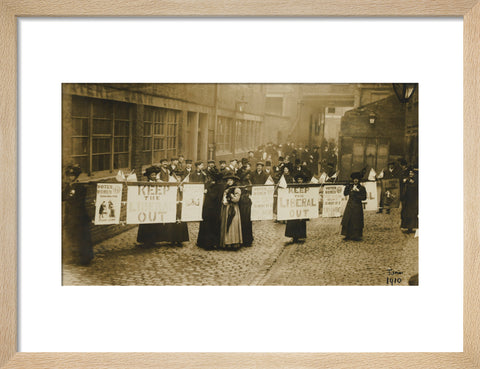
[[386, 197], [352, 221], [297, 228], [77, 246], [231, 226], [409, 197], [149, 234]]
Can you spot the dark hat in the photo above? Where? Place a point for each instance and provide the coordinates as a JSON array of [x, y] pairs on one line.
[[231, 176], [172, 159], [280, 158], [330, 164], [188, 161], [163, 160], [260, 163], [211, 161], [73, 170], [150, 170], [215, 174], [268, 163], [222, 162], [197, 163], [181, 156], [356, 175], [300, 175], [402, 162], [244, 160], [391, 163]]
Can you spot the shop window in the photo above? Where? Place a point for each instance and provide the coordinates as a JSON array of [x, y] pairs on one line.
[[100, 138], [160, 132]]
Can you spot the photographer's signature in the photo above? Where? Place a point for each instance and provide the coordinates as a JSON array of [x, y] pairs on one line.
[[394, 277]]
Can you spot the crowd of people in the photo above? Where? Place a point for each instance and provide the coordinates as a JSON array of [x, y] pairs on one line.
[[227, 205]]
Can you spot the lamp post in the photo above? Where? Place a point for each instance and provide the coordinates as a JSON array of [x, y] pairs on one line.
[[404, 91]]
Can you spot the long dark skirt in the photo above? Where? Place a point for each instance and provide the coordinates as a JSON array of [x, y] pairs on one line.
[[352, 221], [209, 229], [245, 205], [409, 214], [168, 232], [296, 228], [77, 246]]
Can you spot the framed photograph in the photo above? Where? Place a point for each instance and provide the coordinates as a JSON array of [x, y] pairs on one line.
[[265, 189]]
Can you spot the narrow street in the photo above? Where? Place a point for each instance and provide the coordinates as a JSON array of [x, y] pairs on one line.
[[324, 259]]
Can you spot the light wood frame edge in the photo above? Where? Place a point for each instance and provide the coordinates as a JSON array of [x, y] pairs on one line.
[[11, 9]]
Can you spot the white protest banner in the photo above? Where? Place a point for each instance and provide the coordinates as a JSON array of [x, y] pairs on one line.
[[334, 201], [151, 204], [297, 203], [262, 202], [192, 202], [107, 204], [371, 202]]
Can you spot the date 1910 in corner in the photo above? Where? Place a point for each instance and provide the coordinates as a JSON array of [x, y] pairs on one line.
[[394, 277]]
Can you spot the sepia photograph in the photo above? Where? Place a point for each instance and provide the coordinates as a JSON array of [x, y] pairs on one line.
[[240, 184]]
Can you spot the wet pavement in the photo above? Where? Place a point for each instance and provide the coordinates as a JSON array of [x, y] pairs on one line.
[[386, 255]]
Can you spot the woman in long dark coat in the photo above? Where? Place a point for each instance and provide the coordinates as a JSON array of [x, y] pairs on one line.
[[297, 228], [409, 197], [77, 246], [209, 230], [352, 221], [245, 205]]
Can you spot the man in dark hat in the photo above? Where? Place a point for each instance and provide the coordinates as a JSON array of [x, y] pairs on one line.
[[187, 171], [164, 172], [199, 175], [268, 169], [173, 167], [232, 168], [259, 176], [352, 221], [77, 246]]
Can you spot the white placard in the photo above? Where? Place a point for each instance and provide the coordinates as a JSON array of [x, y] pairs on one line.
[[371, 202], [297, 203], [334, 201], [262, 202], [107, 204], [151, 204], [192, 202]]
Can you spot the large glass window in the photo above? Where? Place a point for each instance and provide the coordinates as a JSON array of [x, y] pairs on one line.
[[160, 132], [100, 134]]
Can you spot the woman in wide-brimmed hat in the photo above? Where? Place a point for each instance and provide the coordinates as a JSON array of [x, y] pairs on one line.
[[231, 224], [297, 228], [352, 221]]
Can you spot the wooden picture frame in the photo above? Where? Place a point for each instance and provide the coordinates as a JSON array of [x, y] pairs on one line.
[[11, 9]]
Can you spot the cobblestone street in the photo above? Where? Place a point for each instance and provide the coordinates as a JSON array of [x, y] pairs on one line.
[[324, 259]]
